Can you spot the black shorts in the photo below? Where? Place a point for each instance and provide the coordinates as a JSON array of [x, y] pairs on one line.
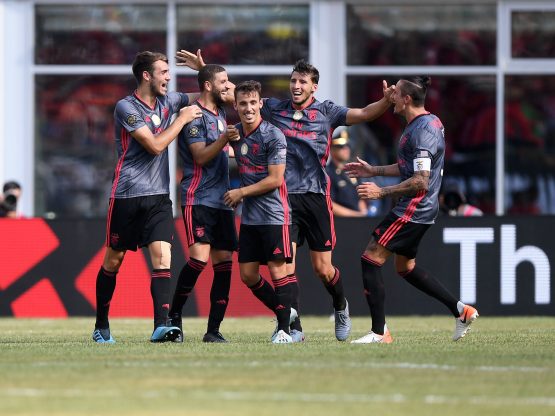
[[264, 243], [400, 236], [312, 217], [137, 222], [210, 225]]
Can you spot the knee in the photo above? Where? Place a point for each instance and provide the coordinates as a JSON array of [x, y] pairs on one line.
[[249, 280], [324, 272]]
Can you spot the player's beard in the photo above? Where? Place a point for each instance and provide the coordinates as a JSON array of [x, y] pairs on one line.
[[217, 98], [155, 92]]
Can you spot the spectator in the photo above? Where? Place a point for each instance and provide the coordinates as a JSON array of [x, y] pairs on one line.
[[345, 200], [11, 192]]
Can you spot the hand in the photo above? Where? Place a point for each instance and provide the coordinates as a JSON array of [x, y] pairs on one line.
[[369, 190], [231, 133], [233, 197], [360, 169], [189, 59], [190, 113], [388, 91]]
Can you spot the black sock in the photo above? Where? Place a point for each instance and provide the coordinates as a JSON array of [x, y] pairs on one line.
[[428, 284], [265, 293], [283, 308], [160, 291], [374, 292], [105, 286], [294, 289], [335, 289], [185, 284], [219, 295]]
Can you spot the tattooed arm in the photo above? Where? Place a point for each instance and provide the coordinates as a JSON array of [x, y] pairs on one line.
[[410, 187]]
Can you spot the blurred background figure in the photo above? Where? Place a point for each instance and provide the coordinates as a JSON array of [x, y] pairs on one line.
[[453, 202], [343, 189], [11, 192]]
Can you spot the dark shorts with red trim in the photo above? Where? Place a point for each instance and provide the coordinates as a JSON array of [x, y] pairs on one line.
[[400, 236], [210, 225], [264, 243], [139, 221], [312, 221]]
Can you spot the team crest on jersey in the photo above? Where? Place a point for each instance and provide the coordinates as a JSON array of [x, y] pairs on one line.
[[199, 231], [255, 148], [244, 149], [193, 131], [220, 126], [132, 119], [165, 112], [312, 115], [156, 120]]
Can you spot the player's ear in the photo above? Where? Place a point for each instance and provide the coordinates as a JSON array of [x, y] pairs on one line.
[[314, 87]]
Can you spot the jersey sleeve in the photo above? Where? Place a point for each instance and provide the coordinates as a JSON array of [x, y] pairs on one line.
[[195, 131], [337, 114], [425, 147], [128, 116], [277, 148], [268, 104]]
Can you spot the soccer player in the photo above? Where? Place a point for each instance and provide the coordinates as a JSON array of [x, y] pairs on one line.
[[420, 166], [140, 210], [308, 125], [265, 219], [209, 223]]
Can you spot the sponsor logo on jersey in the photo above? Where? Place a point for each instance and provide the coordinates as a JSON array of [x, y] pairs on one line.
[[156, 120]]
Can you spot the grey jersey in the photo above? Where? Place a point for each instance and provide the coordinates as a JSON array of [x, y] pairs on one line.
[[308, 132], [421, 145], [139, 173], [265, 146]]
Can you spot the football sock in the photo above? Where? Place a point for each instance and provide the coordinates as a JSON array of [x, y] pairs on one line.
[[219, 295], [283, 307], [335, 289], [185, 284], [160, 291], [105, 286], [294, 289], [374, 292], [265, 293], [422, 280]]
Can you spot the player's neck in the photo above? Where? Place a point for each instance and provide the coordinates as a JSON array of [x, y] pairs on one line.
[[248, 128], [207, 102], [304, 104], [412, 112], [146, 96]]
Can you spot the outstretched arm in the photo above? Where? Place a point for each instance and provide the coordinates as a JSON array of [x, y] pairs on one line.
[[361, 169], [189, 59], [371, 111]]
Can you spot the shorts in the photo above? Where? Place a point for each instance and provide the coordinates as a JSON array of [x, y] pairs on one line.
[[139, 221], [400, 236], [214, 226], [264, 243], [312, 217]]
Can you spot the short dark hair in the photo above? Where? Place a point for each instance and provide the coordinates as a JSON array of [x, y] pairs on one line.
[[416, 87], [8, 186], [303, 67], [208, 73], [144, 61], [248, 86]]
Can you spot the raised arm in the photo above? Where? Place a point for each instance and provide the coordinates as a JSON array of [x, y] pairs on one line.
[[156, 144], [371, 111]]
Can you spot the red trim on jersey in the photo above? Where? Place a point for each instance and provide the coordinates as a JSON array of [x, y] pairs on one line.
[[427, 113], [256, 128], [296, 107], [145, 103], [193, 186], [204, 108], [124, 146], [285, 226]]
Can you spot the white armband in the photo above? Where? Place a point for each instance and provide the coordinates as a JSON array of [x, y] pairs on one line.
[[422, 163]]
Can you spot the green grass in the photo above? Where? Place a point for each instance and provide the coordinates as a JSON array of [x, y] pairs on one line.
[[505, 366]]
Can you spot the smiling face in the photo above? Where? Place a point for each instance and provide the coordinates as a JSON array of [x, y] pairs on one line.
[[159, 79], [219, 87], [302, 88], [248, 105], [400, 101]]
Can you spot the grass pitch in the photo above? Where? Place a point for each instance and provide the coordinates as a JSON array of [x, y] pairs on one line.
[[505, 366]]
